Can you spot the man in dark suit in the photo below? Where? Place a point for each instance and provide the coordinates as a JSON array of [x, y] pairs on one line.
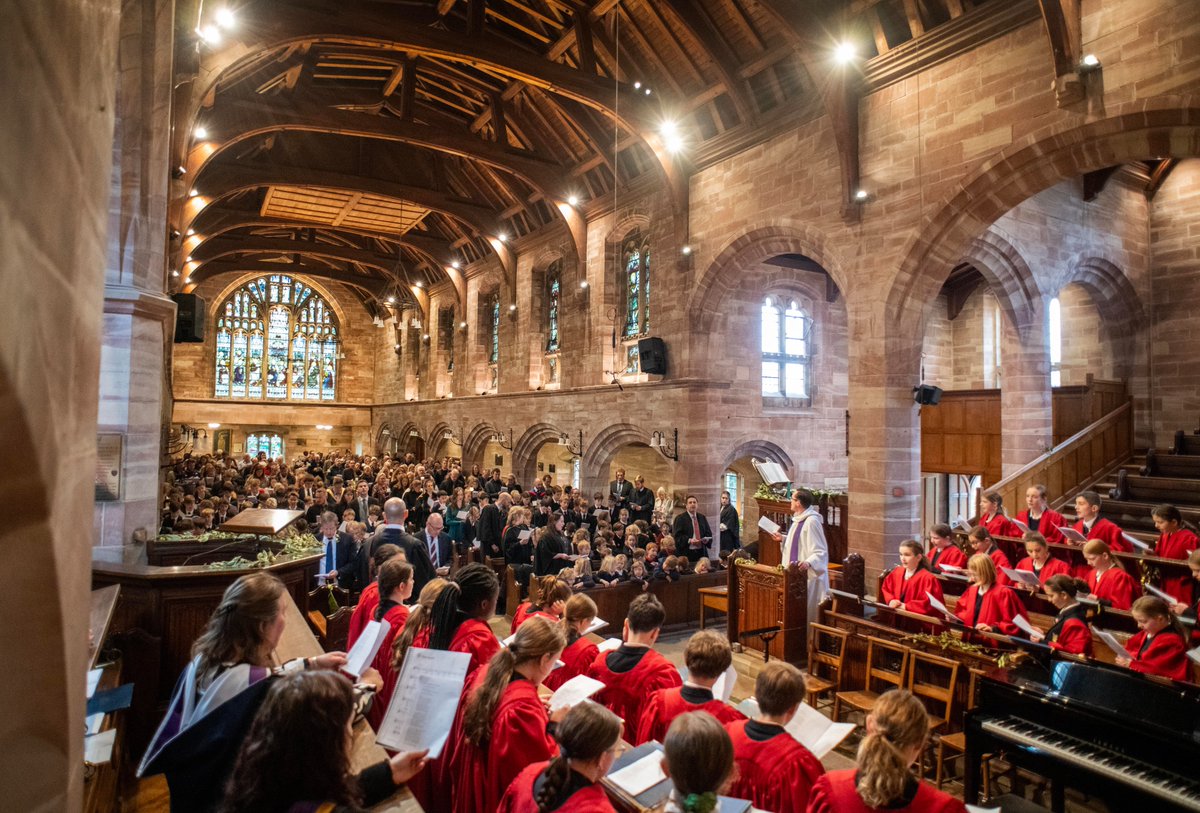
[[436, 542], [362, 502], [691, 532], [339, 552], [641, 501], [619, 492], [319, 505], [492, 520], [453, 480], [494, 485], [392, 533], [731, 525]]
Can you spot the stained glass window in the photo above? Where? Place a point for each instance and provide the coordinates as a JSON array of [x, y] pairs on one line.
[[253, 358], [635, 280], [494, 336], [269, 444], [786, 360], [553, 302], [1055, 319]]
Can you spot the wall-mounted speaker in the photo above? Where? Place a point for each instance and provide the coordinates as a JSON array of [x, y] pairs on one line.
[[927, 395], [653, 355], [189, 318]]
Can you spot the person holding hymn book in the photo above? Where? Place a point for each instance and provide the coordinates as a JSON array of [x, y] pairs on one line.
[[987, 605], [1107, 578], [943, 550], [548, 601], [1094, 526], [1070, 632], [589, 740], [459, 618], [219, 692], [368, 600], [706, 656], [1160, 646], [1175, 541], [1038, 516], [1187, 608], [698, 759], [982, 543], [905, 588], [633, 671], [991, 516], [504, 725], [1038, 560], [897, 730], [296, 757], [774, 771], [395, 588], [580, 652]]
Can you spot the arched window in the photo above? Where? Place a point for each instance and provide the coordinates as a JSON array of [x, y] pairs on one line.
[[786, 348], [284, 327], [635, 276], [553, 302], [270, 445], [494, 329], [1055, 325]]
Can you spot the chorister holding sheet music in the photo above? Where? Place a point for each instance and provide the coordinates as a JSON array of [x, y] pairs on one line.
[[1159, 647], [907, 586], [1174, 542]]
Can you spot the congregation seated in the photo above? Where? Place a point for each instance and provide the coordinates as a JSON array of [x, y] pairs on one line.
[[706, 657], [909, 585]]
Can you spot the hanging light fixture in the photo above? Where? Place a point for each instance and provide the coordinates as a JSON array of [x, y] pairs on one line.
[[399, 286]]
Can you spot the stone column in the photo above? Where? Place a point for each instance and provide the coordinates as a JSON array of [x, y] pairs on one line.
[[1026, 417]]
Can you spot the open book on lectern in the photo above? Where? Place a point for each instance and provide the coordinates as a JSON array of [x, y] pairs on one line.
[[771, 472]]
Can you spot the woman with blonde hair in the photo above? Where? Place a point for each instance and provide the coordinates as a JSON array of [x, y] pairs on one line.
[[986, 605], [897, 730]]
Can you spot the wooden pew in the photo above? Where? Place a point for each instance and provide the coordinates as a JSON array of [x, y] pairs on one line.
[[1177, 490], [1171, 465], [1186, 444]]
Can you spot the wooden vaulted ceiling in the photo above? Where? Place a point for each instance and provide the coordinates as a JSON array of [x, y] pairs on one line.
[[413, 134]]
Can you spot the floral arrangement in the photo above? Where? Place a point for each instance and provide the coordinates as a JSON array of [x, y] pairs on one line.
[[948, 640]]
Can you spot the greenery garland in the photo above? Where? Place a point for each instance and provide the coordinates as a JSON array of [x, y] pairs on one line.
[[948, 640], [295, 545], [783, 492]]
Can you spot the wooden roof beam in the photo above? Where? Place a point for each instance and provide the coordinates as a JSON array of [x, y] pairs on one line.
[[701, 27]]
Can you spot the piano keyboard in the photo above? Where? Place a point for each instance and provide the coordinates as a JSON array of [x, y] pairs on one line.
[[1145, 777]]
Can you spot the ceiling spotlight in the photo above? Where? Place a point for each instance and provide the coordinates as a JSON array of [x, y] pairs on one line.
[[647, 91], [637, 85], [861, 195], [200, 132], [512, 307], [845, 52], [573, 200], [425, 337], [174, 234], [687, 250], [187, 280], [175, 273], [210, 34], [179, 172], [1090, 61], [396, 345], [583, 284], [226, 18], [456, 265], [391, 300], [214, 426], [189, 259], [419, 284], [190, 232], [193, 193], [462, 325], [669, 131], [502, 237]]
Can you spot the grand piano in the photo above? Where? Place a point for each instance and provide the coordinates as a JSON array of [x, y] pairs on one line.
[[1128, 740]]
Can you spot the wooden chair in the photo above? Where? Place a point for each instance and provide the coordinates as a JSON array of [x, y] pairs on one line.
[[826, 653], [958, 741], [337, 630], [934, 680], [887, 666]]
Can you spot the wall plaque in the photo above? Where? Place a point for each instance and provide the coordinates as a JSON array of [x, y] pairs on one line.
[[108, 467]]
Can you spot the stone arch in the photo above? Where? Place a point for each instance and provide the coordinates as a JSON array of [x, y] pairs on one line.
[[760, 448], [1008, 275], [383, 439], [321, 288], [474, 444], [524, 454], [1161, 126], [731, 265], [1118, 304], [436, 439], [604, 447]]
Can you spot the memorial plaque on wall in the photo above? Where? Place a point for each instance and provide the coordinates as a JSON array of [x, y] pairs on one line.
[[108, 467]]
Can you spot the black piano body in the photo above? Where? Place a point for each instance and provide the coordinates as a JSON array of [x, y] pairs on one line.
[[1129, 740]]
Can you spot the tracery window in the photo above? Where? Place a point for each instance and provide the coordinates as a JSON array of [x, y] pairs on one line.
[[635, 282], [270, 445], [553, 303], [494, 329], [276, 339], [786, 340]]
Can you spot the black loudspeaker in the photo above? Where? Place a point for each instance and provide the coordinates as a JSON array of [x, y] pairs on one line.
[[653, 355], [927, 395], [189, 318]]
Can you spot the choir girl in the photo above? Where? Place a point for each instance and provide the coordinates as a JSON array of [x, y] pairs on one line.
[[1070, 632], [706, 656], [632, 671], [1107, 579], [395, 587], [982, 542], [987, 605], [943, 551], [504, 723], [897, 730], [1094, 526], [906, 587], [698, 759], [1039, 516], [774, 771], [296, 757], [459, 619], [1187, 608], [368, 600], [580, 652], [991, 516], [1174, 542], [1038, 560], [1160, 646], [547, 597]]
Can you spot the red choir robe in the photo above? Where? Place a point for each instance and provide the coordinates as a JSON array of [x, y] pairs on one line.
[[950, 555], [1000, 525], [1177, 545], [835, 793], [394, 618], [663, 706], [520, 797], [775, 774], [520, 615], [1164, 654], [1053, 567], [624, 693], [364, 611], [1001, 561], [475, 637], [518, 739], [1000, 605], [1047, 524], [1070, 632], [1108, 533], [911, 591], [576, 659], [1114, 586]]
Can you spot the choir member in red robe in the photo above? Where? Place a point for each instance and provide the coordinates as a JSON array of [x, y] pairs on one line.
[[504, 723], [897, 730], [634, 670], [1160, 646], [1039, 562], [907, 587], [991, 516], [698, 759], [943, 551], [1107, 579], [459, 620], [589, 738], [1190, 607], [368, 600], [982, 542], [774, 771], [548, 598], [986, 605], [396, 585], [1174, 542], [1070, 632], [706, 656], [1039, 516], [1094, 526], [579, 614]]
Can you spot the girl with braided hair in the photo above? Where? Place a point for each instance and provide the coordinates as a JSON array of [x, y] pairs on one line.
[[589, 738], [897, 730], [459, 619]]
